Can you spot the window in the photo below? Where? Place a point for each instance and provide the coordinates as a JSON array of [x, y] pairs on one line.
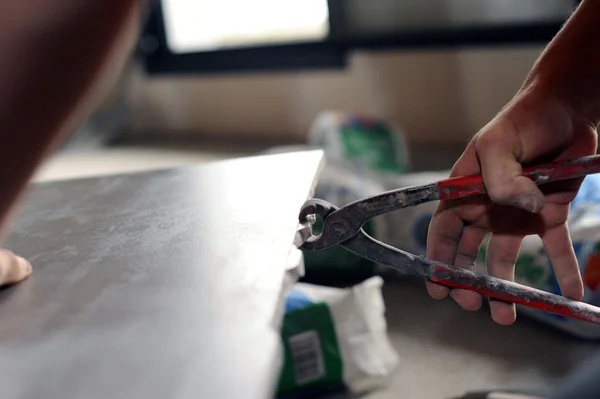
[[205, 25]]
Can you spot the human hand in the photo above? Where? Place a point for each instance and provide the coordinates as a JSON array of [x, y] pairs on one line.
[[13, 268], [534, 127]]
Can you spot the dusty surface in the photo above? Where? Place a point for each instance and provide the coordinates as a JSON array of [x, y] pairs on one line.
[[153, 285]]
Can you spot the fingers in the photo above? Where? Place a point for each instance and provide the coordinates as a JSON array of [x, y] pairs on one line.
[[13, 268], [451, 243], [558, 246], [466, 254], [502, 172], [502, 253], [445, 230]]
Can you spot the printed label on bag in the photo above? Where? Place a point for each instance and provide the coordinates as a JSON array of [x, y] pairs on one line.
[[313, 360], [307, 357]]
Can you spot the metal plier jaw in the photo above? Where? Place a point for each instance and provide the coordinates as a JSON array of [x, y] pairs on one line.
[[343, 226], [310, 212]]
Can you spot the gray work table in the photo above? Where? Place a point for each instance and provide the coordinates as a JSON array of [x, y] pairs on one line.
[[165, 284]]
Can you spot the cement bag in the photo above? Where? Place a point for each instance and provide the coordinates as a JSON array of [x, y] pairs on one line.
[[335, 339]]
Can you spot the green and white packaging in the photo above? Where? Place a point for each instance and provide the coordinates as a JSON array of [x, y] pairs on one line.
[[368, 143], [339, 340], [362, 154]]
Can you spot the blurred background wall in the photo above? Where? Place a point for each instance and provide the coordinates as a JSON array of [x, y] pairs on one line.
[[437, 69], [441, 96]]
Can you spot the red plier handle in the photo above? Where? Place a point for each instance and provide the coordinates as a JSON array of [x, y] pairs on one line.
[[344, 226]]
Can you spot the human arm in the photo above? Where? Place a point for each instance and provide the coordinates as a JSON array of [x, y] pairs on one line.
[[57, 59]]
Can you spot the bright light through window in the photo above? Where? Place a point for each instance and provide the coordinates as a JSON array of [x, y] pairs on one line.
[[203, 25]]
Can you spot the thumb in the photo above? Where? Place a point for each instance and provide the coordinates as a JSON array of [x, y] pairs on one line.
[[13, 268], [499, 153]]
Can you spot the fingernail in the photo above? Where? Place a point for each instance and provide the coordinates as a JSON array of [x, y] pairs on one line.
[[526, 202]]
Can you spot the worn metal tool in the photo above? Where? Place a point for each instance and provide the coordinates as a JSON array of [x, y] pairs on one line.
[[343, 226]]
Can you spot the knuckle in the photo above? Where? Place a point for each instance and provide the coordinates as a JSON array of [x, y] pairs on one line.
[[501, 130], [465, 261], [442, 237], [484, 141]]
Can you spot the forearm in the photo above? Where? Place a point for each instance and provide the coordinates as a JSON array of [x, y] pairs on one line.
[[570, 65], [57, 59]]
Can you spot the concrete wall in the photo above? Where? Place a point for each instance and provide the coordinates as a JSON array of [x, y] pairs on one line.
[[436, 96]]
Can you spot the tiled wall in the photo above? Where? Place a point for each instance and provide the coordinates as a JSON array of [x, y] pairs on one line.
[[436, 96]]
